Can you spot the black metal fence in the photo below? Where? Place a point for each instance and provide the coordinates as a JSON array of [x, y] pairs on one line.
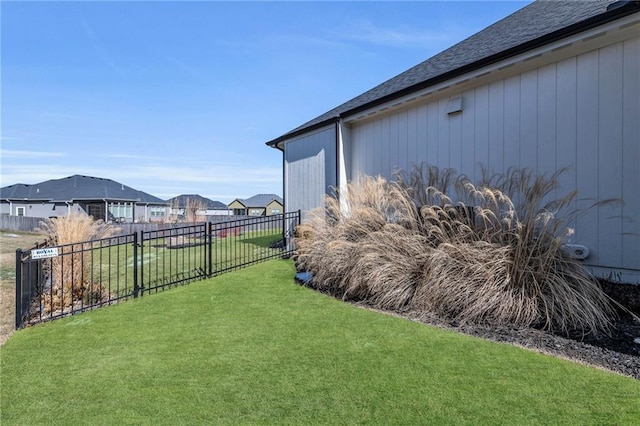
[[53, 282]]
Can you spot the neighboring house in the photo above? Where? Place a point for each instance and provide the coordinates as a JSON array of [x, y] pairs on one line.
[[258, 205], [555, 84], [98, 197], [204, 206]]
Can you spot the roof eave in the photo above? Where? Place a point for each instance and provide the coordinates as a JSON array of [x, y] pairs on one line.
[[276, 142], [595, 21], [573, 29]]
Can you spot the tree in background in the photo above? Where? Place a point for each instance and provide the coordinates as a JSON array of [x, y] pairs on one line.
[[195, 210]]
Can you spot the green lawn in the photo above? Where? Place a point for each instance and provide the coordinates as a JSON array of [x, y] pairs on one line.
[[252, 347], [112, 266]]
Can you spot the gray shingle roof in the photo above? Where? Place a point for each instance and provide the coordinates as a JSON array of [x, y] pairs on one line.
[[181, 201], [534, 25], [260, 200], [77, 187]]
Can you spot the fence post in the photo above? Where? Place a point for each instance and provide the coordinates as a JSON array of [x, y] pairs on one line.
[[135, 265], [140, 264], [209, 242], [18, 288]]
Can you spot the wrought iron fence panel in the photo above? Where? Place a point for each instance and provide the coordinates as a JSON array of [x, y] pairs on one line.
[[172, 256], [53, 282]]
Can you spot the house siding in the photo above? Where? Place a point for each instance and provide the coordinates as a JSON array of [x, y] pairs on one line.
[[237, 208], [45, 210], [138, 212], [580, 112], [35, 209], [274, 208], [310, 161]]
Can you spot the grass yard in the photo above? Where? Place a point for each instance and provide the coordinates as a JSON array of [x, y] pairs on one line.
[[252, 347], [112, 265], [109, 263]]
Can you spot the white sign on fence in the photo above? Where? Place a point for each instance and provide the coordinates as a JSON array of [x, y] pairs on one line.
[[44, 253]]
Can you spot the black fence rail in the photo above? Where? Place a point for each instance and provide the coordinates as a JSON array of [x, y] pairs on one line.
[[130, 228], [53, 282], [244, 242]]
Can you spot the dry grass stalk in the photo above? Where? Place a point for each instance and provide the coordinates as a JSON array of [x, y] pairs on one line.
[[423, 181], [70, 271], [387, 267], [408, 243], [534, 281], [331, 235]]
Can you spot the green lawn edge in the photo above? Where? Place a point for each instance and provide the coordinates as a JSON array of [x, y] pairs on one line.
[[253, 347]]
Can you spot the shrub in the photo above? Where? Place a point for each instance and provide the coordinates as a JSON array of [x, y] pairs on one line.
[[69, 272]]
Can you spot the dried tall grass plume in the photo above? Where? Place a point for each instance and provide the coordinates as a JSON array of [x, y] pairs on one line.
[[334, 242], [69, 271], [432, 240]]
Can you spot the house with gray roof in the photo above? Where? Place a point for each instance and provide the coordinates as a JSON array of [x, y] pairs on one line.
[[205, 206], [555, 84], [101, 198], [258, 205]]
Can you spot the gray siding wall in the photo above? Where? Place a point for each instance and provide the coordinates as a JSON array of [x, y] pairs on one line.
[[40, 210], [582, 112], [310, 169]]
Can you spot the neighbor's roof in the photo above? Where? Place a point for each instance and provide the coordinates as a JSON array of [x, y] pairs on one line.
[[259, 200], [537, 24], [181, 201], [77, 187]]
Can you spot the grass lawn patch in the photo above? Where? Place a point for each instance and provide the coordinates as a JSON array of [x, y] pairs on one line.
[[252, 347]]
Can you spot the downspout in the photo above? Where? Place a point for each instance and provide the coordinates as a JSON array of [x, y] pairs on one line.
[[106, 210], [286, 237], [341, 168], [284, 175]]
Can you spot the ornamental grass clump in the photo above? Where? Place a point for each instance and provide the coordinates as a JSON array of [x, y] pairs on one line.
[[502, 261], [433, 241], [69, 272], [364, 246]]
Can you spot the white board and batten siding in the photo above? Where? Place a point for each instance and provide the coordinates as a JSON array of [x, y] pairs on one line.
[[310, 162], [582, 112]]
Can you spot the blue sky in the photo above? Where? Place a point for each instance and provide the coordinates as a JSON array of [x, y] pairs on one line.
[[180, 97]]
